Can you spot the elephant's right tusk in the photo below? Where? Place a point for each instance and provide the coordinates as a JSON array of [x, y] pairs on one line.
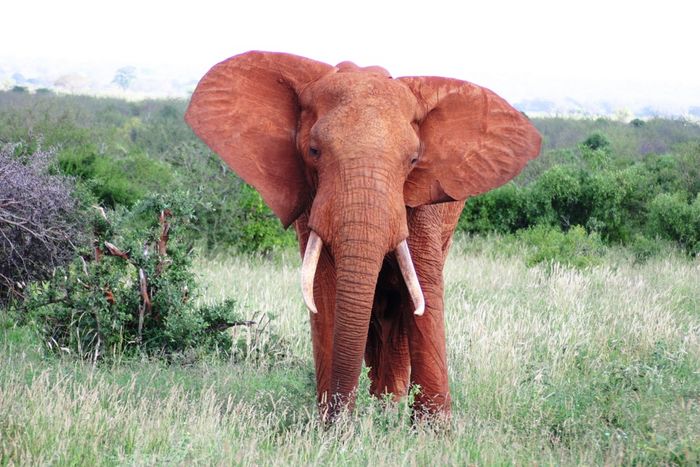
[[409, 276], [308, 269]]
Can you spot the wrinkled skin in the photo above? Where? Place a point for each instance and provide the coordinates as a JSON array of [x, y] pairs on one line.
[[365, 161]]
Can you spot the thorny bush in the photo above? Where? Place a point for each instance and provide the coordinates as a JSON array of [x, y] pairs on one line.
[[39, 219], [133, 290]]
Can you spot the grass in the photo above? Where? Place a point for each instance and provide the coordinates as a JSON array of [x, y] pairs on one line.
[[548, 365]]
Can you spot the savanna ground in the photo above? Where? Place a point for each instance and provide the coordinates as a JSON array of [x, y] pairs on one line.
[[548, 365]]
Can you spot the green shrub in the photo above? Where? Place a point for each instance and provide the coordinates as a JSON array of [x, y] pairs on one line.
[[555, 198], [662, 173], [574, 248], [644, 248], [134, 291], [115, 181], [616, 203], [597, 173], [500, 210], [596, 141], [688, 166], [671, 216], [229, 214], [260, 230]]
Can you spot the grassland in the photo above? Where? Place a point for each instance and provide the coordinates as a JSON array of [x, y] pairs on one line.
[[548, 365]]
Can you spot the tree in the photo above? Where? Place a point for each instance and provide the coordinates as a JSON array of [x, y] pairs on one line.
[[124, 77]]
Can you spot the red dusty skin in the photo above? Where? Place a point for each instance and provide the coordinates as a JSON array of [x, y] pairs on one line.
[[310, 263], [341, 152]]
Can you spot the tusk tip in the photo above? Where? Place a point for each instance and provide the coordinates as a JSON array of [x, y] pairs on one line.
[[311, 306], [419, 311]]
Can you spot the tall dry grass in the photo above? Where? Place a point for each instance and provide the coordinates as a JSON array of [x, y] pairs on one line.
[[548, 365]]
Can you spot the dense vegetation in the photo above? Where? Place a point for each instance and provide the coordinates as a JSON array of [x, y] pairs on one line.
[[627, 197], [120, 151], [630, 183]]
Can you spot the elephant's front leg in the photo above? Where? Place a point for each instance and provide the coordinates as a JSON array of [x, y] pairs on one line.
[[429, 241], [428, 354], [322, 321]]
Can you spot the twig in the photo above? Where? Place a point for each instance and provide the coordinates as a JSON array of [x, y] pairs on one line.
[[115, 251], [216, 327], [145, 306]]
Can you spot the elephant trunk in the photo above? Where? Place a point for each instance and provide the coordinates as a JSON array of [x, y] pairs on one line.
[[358, 262]]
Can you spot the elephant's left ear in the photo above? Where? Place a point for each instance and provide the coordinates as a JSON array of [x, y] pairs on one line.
[[472, 141]]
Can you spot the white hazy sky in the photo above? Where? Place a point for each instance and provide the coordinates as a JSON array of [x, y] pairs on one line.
[[519, 48]]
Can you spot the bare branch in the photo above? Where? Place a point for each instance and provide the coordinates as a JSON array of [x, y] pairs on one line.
[[39, 222], [115, 251]]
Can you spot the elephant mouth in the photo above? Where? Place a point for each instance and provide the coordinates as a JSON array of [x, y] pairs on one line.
[[403, 256]]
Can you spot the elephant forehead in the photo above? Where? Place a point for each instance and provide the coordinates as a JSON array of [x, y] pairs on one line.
[[359, 88]]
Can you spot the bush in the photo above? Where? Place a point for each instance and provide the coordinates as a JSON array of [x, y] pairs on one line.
[[133, 291], [643, 247], [501, 210], [596, 141], [555, 198], [574, 248], [597, 173], [688, 166], [259, 230], [615, 203], [115, 181], [592, 188], [672, 217], [40, 224]]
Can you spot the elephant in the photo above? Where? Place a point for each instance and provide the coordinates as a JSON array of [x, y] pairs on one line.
[[373, 172]]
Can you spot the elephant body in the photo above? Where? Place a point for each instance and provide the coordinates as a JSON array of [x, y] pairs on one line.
[[373, 173]]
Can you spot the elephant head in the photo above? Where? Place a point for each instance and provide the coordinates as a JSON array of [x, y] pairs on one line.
[[351, 148]]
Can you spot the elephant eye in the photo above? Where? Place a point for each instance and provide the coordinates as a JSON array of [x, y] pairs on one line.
[[414, 159], [314, 152]]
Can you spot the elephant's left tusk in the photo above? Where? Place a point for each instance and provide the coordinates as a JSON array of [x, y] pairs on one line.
[[308, 269], [409, 276]]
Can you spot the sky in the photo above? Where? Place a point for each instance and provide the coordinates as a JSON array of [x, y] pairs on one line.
[[581, 49]]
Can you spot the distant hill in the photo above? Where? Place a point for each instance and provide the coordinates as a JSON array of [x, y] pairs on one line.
[[139, 82]]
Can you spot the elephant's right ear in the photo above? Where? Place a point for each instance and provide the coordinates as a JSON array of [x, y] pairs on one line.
[[246, 110]]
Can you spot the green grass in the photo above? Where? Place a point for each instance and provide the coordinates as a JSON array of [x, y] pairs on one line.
[[548, 365]]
